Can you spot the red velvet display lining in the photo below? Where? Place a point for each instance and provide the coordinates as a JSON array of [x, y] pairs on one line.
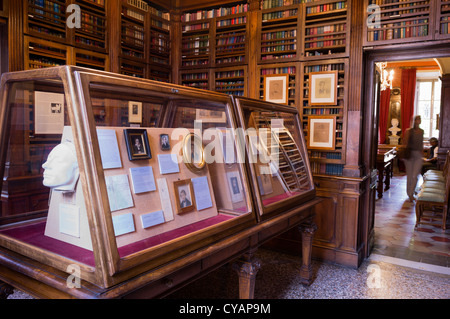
[[277, 198], [33, 234]]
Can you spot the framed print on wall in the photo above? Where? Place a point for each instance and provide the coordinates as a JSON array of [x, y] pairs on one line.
[[137, 144], [321, 133], [276, 88], [184, 196], [134, 112], [323, 88]]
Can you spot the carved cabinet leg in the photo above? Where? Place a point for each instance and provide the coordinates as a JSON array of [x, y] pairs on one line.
[[5, 290], [247, 267], [308, 231]]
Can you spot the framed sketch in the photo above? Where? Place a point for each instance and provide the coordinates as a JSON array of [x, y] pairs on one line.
[[323, 88], [276, 88], [321, 134], [184, 196], [137, 144], [210, 116], [134, 112], [164, 142]]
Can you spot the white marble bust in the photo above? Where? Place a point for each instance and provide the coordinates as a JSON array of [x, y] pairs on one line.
[[394, 129], [61, 170]]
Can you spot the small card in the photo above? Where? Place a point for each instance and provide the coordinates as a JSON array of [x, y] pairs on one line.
[[202, 194], [168, 163], [69, 220], [142, 179], [123, 224], [164, 197], [152, 219], [119, 193], [109, 149]]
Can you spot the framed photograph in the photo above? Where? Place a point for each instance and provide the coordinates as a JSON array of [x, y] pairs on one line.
[[276, 88], [134, 112], [235, 186], [137, 144], [164, 142], [184, 196], [323, 88], [321, 134]]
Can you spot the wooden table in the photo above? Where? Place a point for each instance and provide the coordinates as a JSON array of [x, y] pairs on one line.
[[385, 160], [43, 281]]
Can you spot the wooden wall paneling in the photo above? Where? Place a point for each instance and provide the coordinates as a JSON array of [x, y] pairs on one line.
[[175, 45], [253, 49], [113, 12], [15, 36]]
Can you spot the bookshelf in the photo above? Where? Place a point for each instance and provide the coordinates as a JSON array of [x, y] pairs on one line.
[[290, 69], [159, 47], [91, 59], [400, 22], [92, 34], [196, 78], [326, 29], [279, 33], [443, 19], [231, 80], [133, 33], [133, 68], [46, 19], [329, 162], [195, 46], [43, 54], [231, 33]]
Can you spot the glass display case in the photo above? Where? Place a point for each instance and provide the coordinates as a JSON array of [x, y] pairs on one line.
[[119, 176]]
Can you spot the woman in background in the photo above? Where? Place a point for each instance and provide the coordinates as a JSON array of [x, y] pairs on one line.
[[413, 162]]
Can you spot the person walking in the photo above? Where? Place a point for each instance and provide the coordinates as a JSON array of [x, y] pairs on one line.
[[413, 142]]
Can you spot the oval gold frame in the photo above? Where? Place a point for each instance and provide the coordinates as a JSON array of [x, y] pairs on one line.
[[187, 159]]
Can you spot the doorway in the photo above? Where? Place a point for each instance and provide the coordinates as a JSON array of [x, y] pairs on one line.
[[394, 216]]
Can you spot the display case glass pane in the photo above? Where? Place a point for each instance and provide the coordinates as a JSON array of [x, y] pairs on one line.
[[276, 154]]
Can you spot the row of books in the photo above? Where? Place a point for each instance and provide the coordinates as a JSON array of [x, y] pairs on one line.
[[89, 42], [268, 4], [328, 169], [160, 24], [325, 155], [400, 30], [93, 25], [99, 2], [279, 14], [199, 43], [233, 21], [282, 70], [321, 111], [194, 76], [228, 60], [326, 29], [326, 7], [159, 13], [133, 53], [230, 74], [133, 14], [279, 48], [324, 42], [209, 14], [142, 5], [280, 56], [444, 26], [231, 40], [196, 62], [54, 12], [50, 32], [195, 27], [279, 35], [324, 67]]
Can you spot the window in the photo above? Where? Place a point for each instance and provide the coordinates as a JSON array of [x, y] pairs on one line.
[[428, 105]]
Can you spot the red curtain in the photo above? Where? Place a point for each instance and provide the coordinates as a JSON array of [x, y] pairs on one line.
[[408, 93], [385, 99]]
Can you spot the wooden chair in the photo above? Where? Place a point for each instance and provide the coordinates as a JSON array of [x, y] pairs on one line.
[[434, 197]]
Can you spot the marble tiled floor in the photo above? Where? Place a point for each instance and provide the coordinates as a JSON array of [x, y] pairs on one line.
[[396, 236]]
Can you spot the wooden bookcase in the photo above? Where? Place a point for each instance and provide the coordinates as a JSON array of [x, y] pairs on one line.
[[279, 34], [91, 59], [196, 35], [443, 19], [400, 22], [92, 34], [290, 69], [329, 162], [231, 80], [133, 33], [326, 26]]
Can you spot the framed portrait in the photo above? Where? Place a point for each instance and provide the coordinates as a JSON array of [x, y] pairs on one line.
[[322, 132], [276, 88], [193, 153], [323, 88], [164, 142], [134, 112], [137, 144], [184, 196], [235, 186]]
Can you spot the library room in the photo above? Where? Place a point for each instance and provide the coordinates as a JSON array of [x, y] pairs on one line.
[[234, 149]]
